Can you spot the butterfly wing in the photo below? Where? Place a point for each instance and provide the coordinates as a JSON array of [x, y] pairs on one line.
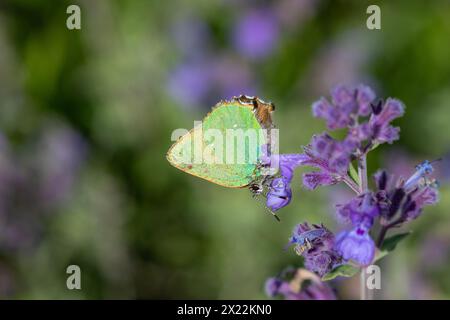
[[224, 149]]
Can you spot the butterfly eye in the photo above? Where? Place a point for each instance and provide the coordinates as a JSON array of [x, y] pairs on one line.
[[272, 106]]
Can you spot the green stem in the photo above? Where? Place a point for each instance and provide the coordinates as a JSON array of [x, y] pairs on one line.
[[385, 229], [351, 184], [382, 235], [362, 173]]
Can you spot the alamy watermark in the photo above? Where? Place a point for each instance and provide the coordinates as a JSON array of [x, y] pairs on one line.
[[73, 281], [373, 277], [374, 20], [73, 21]]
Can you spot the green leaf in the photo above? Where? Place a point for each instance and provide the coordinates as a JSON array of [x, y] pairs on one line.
[[374, 146], [345, 270], [390, 244], [353, 173]]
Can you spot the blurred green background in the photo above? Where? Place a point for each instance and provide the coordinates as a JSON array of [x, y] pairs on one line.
[[86, 118]]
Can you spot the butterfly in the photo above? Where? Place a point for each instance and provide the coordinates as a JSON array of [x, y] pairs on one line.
[[227, 146]]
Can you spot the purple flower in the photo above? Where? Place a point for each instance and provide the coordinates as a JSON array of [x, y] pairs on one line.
[[364, 97], [316, 245], [419, 198], [347, 104], [312, 180], [285, 164], [356, 245], [381, 179], [272, 287], [288, 163], [337, 154], [256, 34], [360, 210], [279, 194], [408, 197], [423, 169], [299, 284], [330, 156], [306, 235], [323, 262], [379, 123]]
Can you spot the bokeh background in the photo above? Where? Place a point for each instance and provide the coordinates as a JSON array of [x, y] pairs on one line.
[[86, 118]]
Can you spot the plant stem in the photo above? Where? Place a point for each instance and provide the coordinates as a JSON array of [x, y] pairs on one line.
[[362, 172], [351, 184], [385, 229], [381, 236]]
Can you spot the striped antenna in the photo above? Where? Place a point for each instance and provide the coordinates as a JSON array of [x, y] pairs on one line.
[[268, 209], [436, 160]]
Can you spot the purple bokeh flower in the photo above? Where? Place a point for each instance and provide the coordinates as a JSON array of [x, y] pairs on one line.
[[199, 82], [61, 154], [190, 83], [272, 286], [340, 60], [231, 77], [298, 284], [294, 13], [256, 35], [35, 181], [8, 284]]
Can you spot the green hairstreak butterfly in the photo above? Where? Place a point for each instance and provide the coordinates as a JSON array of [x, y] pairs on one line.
[[226, 146]]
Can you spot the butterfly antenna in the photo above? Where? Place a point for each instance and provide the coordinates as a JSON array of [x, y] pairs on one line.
[[271, 212], [274, 215], [436, 160]]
